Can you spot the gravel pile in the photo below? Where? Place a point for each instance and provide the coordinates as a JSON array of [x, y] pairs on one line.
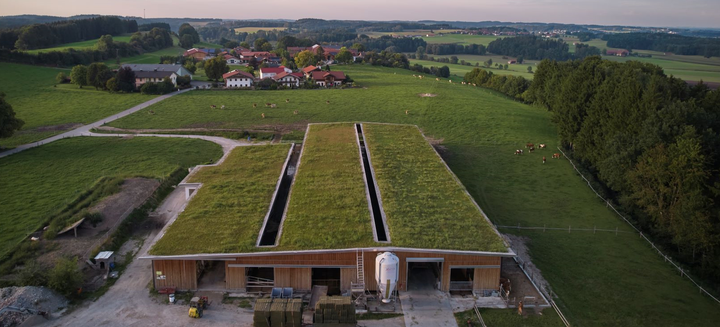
[[29, 297]]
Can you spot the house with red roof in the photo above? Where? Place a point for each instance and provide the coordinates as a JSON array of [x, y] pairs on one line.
[[619, 53], [231, 60], [269, 72], [307, 71], [238, 78], [291, 80], [328, 79], [195, 53]]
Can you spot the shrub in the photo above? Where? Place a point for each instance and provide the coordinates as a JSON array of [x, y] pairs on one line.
[[62, 78], [65, 277], [32, 274]]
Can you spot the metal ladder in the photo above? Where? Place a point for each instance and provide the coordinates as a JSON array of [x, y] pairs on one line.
[[358, 288]]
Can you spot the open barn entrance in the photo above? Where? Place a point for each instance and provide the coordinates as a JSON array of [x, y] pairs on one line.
[[423, 274], [461, 280], [259, 279], [329, 277], [211, 275]]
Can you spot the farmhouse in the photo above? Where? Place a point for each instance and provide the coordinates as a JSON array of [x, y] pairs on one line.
[[291, 80], [328, 79], [195, 53], [320, 213], [619, 53], [231, 60], [268, 72], [142, 77], [237, 78], [179, 70]]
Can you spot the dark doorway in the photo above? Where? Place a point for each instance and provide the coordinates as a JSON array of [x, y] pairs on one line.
[[329, 277], [423, 275], [102, 265], [211, 275], [461, 280], [259, 279]]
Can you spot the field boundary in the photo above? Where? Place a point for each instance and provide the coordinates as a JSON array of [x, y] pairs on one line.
[[667, 259]]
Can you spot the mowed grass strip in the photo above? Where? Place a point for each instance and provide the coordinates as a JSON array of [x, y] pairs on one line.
[[226, 214], [425, 206], [50, 109], [38, 182], [80, 45], [328, 208]]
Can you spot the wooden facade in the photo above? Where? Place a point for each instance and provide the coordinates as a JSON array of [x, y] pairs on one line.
[[296, 270]]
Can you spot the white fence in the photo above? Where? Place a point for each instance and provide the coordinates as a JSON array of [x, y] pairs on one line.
[[667, 259]]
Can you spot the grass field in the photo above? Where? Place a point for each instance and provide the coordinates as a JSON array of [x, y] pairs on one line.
[[328, 194], [226, 214], [420, 33], [39, 182], [685, 70], [207, 45], [48, 110], [509, 317], [601, 279], [256, 29], [460, 70], [148, 57], [80, 45], [463, 39], [425, 206]]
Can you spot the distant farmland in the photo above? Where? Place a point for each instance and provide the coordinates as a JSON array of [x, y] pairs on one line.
[[256, 29], [80, 45]]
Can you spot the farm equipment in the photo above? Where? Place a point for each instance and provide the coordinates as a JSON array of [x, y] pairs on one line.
[[197, 306]]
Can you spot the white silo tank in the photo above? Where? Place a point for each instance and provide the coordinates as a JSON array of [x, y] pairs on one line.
[[387, 266]]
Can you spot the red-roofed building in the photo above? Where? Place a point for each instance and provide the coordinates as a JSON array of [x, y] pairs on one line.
[[195, 53], [238, 78], [269, 72], [307, 71], [619, 53], [328, 79], [291, 80], [231, 60]]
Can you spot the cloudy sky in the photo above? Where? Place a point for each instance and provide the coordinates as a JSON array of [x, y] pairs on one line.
[[687, 13]]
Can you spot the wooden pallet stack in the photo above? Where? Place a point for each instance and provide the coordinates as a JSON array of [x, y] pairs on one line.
[[278, 313], [335, 310], [261, 316]]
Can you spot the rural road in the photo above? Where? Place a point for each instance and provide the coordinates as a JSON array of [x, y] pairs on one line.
[[85, 129]]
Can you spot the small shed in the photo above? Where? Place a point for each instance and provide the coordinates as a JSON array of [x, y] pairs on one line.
[[103, 259]]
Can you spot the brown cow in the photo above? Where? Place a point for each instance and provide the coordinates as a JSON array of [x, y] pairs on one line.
[[518, 151], [263, 115], [212, 106], [556, 156], [529, 145], [406, 112], [254, 105], [532, 148], [267, 104], [544, 159], [295, 112], [327, 101], [542, 145], [287, 100]]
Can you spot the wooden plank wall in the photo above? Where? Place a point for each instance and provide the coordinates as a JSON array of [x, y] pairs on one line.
[[297, 278], [486, 279], [180, 274], [234, 277], [347, 277]]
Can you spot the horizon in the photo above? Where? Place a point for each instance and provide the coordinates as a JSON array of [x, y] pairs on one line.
[[640, 13]]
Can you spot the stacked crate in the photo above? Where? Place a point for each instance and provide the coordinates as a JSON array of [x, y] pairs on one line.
[[335, 310], [261, 316], [293, 313], [277, 312]]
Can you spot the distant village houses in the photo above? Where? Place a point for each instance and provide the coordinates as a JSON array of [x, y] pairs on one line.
[[156, 73]]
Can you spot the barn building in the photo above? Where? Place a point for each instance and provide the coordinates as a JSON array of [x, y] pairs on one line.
[[320, 212]]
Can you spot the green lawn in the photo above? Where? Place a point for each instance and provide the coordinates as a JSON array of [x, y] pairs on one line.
[[41, 181], [463, 39], [601, 279], [226, 214], [460, 70], [328, 194], [510, 317], [148, 57], [80, 45], [424, 205], [48, 109]]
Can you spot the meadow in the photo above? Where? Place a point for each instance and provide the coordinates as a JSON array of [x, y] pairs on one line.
[[460, 70], [242, 186], [463, 39], [81, 45], [251, 29], [424, 205], [49, 109], [601, 279], [329, 172], [41, 181], [421, 33]]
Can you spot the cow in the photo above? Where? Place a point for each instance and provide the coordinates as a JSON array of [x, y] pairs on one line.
[[254, 105], [263, 115], [406, 112], [212, 106], [222, 107], [544, 159], [532, 148], [420, 76], [529, 145], [267, 104], [437, 79], [556, 156], [414, 75], [272, 105], [327, 101], [450, 81], [287, 100], [295, 112], [518, 151], [542, 145], [463, 83]]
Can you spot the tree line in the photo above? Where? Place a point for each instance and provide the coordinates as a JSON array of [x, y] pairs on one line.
[[38, 36], [514, 86], [530, 47], [443, 49], [677, 44], [651, 140]]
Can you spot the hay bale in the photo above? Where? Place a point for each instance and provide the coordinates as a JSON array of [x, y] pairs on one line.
[[277, 312], [293, 313], [261, 315]]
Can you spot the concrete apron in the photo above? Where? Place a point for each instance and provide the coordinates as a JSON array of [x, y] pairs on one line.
[[427, 308]]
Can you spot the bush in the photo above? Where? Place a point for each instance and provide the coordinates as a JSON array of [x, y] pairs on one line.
[[65, 277], [32, 274], [62, 78]]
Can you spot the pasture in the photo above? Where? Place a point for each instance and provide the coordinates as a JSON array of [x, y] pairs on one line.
[[418, 33], [39, 182], [147, 58], [601, 279], [81, 45], [50, 109], [689, 71], [251, 29], [460, 70], [463, 39]]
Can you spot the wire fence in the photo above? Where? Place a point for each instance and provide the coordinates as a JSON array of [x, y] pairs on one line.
[[667, 258], [569, 229], [544, 288]]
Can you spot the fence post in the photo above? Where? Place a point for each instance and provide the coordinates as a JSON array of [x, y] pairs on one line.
[[568, 228], [594, 229], [616, 230]]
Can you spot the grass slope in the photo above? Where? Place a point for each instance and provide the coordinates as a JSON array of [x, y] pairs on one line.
[[460, 70], [425, 206], [226, 214], [49, 110], [40, 181], [81, 45], [328, 194], [601, 279]]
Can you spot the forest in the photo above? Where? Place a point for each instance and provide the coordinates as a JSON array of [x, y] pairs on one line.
[[530, 47], [38, 36], [662, 42], [651, 141]]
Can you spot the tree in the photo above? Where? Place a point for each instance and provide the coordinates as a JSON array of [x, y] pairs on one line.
[[304, 58], [444, 71], [112, 85], [453, 59], [105, 43], [245, 45], [93, 74], [520, 59], [65, 277], [215, 68], [32, 274], [344, 56], [187, 29], [507, 66], [231, 44], [125, 80], [358, 46], [186, 41], [8, 123], [61, 78], [253, 63], [488, 63], [420, 52], [529, 69], [78, 75]]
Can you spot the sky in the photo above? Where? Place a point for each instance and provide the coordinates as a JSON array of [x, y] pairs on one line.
[[659, 13]]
